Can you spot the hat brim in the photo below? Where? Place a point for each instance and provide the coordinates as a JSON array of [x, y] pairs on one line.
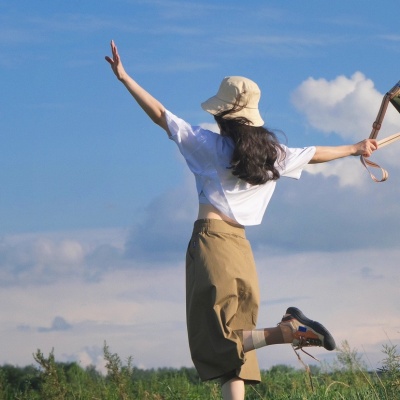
[[215, 105]]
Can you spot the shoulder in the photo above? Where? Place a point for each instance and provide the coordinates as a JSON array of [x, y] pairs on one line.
[[293, 159], [180, 129]]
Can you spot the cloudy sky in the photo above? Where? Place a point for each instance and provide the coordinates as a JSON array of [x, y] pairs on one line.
[[96, 204]]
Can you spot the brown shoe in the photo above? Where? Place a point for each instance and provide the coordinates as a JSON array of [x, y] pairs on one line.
[[305, 331]]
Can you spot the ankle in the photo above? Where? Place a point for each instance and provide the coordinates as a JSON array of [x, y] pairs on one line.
[[287, 333]]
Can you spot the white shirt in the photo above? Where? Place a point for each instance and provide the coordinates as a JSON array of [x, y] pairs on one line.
[[208, 156]]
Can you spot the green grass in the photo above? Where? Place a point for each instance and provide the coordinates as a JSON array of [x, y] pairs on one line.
[[347, 378]]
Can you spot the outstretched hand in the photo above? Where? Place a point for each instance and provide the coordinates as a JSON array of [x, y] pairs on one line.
[[115, 62], [365, 148]]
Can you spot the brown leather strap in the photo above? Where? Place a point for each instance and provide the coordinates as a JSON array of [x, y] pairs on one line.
[[376, 126], [368, 163]]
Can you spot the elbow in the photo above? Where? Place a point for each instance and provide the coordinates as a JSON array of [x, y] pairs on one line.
[[316, 157], [157, 115], [316, 160], [160, 119]]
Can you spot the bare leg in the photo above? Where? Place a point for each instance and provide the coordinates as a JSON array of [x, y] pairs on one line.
[[233, 389], [265, 337]]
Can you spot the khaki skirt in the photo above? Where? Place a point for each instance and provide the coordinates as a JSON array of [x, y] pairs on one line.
[[222, 298]]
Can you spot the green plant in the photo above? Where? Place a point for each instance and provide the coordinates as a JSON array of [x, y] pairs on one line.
[[54, 385], [118, 375], [390, 369]]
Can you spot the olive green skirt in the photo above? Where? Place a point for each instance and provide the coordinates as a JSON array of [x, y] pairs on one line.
[[222, 299]]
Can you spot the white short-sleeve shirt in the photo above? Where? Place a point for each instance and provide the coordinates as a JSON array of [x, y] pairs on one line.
[[208, 155]]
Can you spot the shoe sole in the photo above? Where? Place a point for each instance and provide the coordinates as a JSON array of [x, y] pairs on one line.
[[329, 342]]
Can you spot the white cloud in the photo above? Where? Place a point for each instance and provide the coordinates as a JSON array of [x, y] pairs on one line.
[[348, 174], [44, 258], [128, 309], [347, 107]]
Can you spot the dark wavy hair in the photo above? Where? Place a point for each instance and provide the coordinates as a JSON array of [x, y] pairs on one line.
[[256, 148]]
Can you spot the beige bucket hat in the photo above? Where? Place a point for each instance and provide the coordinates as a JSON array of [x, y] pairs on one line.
[[232, 88]]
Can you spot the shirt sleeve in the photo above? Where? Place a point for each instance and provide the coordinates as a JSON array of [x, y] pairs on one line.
[[182, 133], [295, 160], [193, 142]]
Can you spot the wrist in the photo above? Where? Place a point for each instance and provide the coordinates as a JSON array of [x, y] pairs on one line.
[[122, 77], [353, 150]]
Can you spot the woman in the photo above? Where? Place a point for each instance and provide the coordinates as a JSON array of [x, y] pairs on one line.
[[236, 173]]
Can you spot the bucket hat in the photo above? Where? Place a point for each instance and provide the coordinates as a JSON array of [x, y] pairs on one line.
[[236, 89]]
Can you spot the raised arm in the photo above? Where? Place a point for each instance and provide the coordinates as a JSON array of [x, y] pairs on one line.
[[328, 153], [151, 106]]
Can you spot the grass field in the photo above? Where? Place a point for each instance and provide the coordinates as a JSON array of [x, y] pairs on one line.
[[347, 378]]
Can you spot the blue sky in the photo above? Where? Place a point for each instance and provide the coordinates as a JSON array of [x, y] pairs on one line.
[[96, 205]]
